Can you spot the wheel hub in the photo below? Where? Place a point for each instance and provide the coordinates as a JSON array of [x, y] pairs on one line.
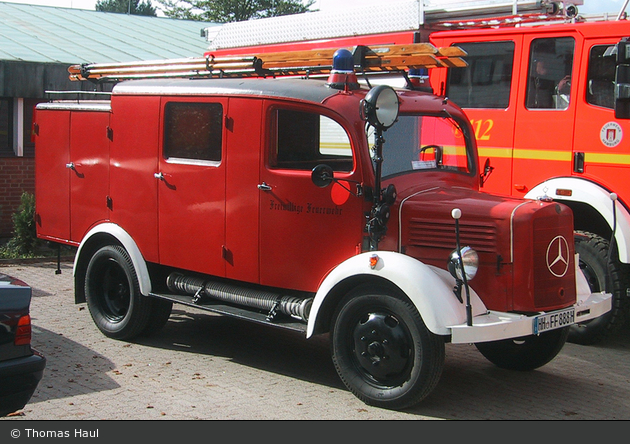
[[382, 347]]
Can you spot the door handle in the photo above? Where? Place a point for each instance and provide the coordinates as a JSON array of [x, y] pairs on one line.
[[70, 166], [264, 187], [159, 175]]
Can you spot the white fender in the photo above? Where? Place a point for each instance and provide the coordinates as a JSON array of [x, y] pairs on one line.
[[129, 244], [429, 288], [595, 196]]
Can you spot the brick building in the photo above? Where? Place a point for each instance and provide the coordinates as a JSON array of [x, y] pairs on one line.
[[38, 43]]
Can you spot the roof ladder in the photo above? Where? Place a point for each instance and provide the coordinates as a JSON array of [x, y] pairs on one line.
[[372, 59]]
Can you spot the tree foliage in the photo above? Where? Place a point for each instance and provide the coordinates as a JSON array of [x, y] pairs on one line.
[[224, 11], [24, 237], [133, 7]]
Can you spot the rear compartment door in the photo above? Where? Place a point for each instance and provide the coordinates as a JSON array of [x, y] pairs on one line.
[[89, 171], [191, 184], [52, 183]]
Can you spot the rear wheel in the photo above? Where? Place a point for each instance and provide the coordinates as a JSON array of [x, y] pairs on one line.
[[160, 312], [526, 353], [593, 252], [113, 294], [382, 350]]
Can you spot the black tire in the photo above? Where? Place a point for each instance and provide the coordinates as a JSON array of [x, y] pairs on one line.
[[593, 251], [113, 294], [382, 350], [160, 312], [526, 353]]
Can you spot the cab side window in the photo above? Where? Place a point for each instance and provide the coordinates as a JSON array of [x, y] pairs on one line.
[[193, 131], [550, 66], [303, 140], [485, 82], [600, 82]]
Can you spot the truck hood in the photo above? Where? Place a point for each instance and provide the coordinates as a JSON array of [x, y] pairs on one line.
[[502, 230]]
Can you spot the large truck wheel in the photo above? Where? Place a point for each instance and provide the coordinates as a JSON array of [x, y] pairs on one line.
[[113, 294], [526, 353], [593, 251], [382, 350]]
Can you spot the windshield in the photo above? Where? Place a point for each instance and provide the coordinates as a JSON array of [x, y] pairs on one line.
[[421, 143]]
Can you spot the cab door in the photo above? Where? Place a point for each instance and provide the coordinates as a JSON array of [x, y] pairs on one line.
[[601, 149], [306, 230], [191, 184], [487, 90], [544, 125]]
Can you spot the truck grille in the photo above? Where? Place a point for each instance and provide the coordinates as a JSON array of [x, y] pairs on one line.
[[552, 290], [429, 233]]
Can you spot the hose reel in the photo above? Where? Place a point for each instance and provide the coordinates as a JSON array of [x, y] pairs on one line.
[[273, 303]]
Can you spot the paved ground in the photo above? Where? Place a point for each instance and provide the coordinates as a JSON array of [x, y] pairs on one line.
[[203, 366]]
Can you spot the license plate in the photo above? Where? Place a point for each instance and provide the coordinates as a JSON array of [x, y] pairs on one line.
[[551, 321]]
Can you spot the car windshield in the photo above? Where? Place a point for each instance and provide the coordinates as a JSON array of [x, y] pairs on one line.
[[421, 143]]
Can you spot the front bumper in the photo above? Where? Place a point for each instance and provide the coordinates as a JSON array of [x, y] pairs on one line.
[[494, 326], [19, 378]]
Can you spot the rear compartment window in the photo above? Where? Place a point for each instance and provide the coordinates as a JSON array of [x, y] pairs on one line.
[[193, 131], [304, 140], [600, 82], [485, 83]]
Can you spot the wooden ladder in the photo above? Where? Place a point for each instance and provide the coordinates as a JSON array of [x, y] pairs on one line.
[[372, 59]]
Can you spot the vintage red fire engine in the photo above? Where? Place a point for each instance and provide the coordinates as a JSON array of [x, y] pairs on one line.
[[313, 204]]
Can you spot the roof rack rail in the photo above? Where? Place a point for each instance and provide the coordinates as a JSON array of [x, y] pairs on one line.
[[372, 59]]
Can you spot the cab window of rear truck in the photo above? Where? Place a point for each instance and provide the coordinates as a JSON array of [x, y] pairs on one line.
[[550, 73], [486, 81], [426, 143], [600, 81]]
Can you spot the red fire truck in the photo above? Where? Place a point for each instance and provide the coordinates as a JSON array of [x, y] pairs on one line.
[[541, 91], [319, 205], [549, 105]]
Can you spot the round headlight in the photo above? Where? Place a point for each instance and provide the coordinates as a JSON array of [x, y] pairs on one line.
[[470, 260], [380, 107]]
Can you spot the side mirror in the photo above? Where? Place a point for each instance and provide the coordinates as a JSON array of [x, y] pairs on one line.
[[380, 107], [487, 170], [322, 175]]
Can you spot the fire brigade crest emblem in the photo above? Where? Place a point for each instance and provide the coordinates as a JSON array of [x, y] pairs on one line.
[[611, 134]]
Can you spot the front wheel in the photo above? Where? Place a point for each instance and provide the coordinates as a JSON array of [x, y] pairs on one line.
[[382, 350], [526, 353], [593, 252], [113, 294]]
